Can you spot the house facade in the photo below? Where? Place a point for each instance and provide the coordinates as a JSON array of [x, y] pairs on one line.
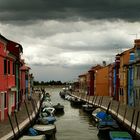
[[10, 79], [101, 83]]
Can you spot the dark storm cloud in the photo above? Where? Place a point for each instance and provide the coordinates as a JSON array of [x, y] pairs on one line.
[[67, 9]]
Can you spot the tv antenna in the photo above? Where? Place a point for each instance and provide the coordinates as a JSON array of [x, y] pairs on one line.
[[136, 35]]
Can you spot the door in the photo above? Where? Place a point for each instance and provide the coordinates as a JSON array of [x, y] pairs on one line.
[[2, 105]]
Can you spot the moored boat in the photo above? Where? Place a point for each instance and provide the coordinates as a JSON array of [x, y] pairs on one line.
[[120, 135], [38, 137], [45, 129], [58, 108]]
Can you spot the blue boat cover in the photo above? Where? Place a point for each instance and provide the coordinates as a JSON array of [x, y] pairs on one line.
[[32, 132], [101, 115]]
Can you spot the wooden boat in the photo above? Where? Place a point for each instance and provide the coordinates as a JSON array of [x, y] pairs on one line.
[[45, 129], [120, 135], [39, 137]]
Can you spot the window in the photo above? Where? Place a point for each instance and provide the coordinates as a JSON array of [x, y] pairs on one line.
[[5, 66], [5, 100], [8, 67], [13, 68]]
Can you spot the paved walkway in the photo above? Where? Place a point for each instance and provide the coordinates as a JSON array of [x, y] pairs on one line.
[[5, 126]]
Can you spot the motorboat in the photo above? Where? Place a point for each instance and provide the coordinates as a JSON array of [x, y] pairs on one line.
[[58, 108], [45, 129]]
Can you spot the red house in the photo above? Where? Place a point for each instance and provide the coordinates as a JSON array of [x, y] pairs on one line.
[[92, 72], [9, 76]]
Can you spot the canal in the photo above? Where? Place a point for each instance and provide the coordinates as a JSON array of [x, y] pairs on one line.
[[74, 124]]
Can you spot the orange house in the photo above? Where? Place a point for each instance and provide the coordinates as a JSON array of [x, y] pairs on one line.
[[101, 87]]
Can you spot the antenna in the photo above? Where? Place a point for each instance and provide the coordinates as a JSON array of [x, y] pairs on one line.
[[136, 35]]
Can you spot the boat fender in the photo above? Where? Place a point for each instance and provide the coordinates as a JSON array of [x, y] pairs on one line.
[[32, 132]]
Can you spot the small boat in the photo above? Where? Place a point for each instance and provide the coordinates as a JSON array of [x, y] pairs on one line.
[[64, 93], [120, 135], [46, 104], [88, 108], [76, 102], [98, 114], [38, 137], [46, 120], [49, 110], [58, 108], [108, 124], [45, 129]]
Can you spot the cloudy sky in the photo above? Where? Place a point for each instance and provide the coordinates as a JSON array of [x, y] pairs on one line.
[[62, 39]]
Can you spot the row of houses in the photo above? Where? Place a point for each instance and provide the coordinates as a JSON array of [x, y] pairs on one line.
[[120, 80], [15, 78]]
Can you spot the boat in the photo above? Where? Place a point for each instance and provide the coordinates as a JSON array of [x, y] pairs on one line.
[[88, 108], [63, 93], [76, 102], [58, 108], [120, 135], [107, 124], [45, 129], [38, 137], [98, 114]]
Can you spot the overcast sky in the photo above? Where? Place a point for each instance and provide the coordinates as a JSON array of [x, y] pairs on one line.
[[62, 39]]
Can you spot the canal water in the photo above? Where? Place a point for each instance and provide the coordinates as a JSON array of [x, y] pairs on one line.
[[73, 124]]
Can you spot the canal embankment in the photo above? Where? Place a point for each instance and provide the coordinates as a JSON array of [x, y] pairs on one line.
[[24, 118]]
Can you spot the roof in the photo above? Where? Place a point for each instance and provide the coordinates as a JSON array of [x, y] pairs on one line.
[[13, 47], [24, 68]]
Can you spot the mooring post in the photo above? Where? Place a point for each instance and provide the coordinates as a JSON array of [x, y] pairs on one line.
[[11, 125], [27, 112], [137, 119], [132, 119], [17, 122]]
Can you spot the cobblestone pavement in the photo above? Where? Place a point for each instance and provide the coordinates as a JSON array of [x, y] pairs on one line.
[[5, 126]]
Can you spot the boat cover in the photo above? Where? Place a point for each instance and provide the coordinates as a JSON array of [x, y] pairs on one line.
[[120, 135]]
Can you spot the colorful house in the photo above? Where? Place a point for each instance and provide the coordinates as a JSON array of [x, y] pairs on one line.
[[123, 72], [101, 83], [116, 78], [92, 72], [15, 50], [24, 74], [9, 58], [83, 84], [111, 78], [3, 78], [134, 76], [131, 79], [31, 84]]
